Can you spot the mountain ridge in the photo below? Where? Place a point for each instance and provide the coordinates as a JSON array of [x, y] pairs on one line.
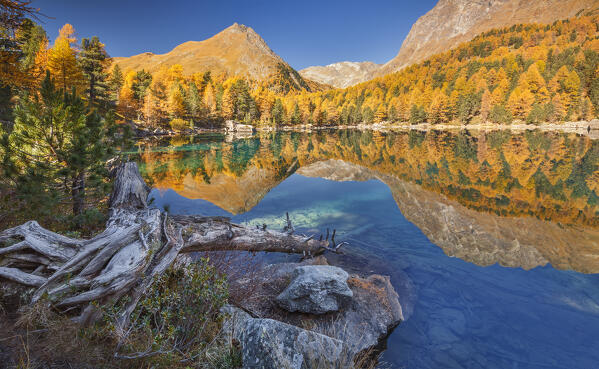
[[448, 24], [452, 22], [235, 51]]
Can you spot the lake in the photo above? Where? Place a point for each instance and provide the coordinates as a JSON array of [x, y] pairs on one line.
[[491, 239]]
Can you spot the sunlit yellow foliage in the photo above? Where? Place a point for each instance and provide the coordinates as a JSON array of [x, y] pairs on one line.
[[62, 61], [520, 102]]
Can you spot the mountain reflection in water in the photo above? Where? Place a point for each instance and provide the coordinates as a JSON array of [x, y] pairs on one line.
[[517, 213], [519, 200]]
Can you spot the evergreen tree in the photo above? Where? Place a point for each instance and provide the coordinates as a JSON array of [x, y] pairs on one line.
[[116, 83], [193, 102], [57, 149], [141, 82], [278, 112], [206, 79], [368, 115], [296, 115], [93, 62], [417, 114], [31, 37], [12, 16]]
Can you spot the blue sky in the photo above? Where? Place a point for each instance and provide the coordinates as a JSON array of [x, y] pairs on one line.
[[304, 33]]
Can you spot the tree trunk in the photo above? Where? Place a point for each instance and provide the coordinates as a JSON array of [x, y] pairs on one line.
[[137, 244], [78, 193]]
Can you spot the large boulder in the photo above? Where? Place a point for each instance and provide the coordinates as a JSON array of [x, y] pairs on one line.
[[371, 315], [233, 126], [234, 324], [270, 344], [316, 289]]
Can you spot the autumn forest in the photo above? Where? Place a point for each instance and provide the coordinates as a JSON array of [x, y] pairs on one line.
[[532, 73]]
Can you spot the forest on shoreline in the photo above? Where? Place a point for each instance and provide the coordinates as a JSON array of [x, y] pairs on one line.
[[528, 73]]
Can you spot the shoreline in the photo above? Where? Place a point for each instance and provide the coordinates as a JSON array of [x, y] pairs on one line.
[[587, 128]]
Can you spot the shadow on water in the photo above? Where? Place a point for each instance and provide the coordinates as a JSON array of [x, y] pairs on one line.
[[490, 239]]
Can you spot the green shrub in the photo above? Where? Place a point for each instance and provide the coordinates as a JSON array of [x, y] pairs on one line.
[[179, 124], [179, 316], [176, 325]]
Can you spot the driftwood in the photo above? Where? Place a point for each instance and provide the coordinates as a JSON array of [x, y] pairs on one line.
[[138, 244]]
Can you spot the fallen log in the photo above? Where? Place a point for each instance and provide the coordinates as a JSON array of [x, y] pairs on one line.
[[138, 244]]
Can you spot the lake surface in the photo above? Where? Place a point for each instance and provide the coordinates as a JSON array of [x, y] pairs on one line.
[[491, 239]]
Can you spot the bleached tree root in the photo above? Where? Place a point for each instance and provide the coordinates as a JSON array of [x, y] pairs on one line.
[[138, 244]]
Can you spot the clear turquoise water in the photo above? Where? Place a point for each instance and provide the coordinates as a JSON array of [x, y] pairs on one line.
[[458, 314]]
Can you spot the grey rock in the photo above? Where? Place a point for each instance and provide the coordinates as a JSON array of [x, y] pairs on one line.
[[233, 126], [370, 316], [270, 344], [235, 320], [373, 313], [316, 289]]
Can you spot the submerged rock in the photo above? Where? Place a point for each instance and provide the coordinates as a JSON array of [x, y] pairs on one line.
[[316, 289]]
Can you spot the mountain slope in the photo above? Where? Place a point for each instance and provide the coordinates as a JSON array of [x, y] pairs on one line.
[[237, 50], [341, 75], [452, 22]]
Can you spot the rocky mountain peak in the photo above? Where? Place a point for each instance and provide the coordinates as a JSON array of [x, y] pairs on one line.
[[341, 75]]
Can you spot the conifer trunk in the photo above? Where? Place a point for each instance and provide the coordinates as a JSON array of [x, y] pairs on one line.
[[78, 193]]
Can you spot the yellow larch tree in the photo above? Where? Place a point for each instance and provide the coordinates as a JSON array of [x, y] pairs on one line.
[[62, 61], [227, 104], [67, 32], [40, 63], [567, 84], [127, 105], [209, 100], [533, 81], [486, 104], [438, 109], [520, 102], [176, 102]]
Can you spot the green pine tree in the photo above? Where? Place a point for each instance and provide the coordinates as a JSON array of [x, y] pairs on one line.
[[116, 83], [141, 83], [30, 36], [278, 112], [56, 152], [296, 116], [93, 61], [193, 102]]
